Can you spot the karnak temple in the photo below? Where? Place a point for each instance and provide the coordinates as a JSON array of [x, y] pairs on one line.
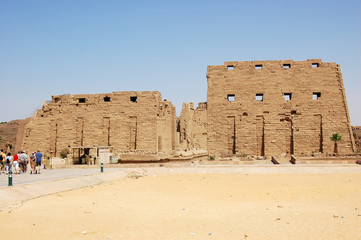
[[254, 108]]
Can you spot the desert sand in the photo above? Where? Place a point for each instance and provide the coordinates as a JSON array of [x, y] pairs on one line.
[[196, 206]]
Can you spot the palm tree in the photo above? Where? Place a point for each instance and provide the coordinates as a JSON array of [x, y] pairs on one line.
[[335, 138]]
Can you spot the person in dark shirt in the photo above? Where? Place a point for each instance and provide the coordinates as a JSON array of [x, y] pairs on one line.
[[39, 157]]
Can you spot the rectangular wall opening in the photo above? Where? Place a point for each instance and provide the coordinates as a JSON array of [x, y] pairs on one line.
[[287, 96], [259, 97], [106, 99], [230, 67], [315, 65], [286, 65], [133, 99], [258, 66], [81, 100], [316, 95], [231, 97]]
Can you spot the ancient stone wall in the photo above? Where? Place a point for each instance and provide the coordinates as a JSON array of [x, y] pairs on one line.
[[130, 122], [276, 107], [357, 136], [12, 133], [193, 126], [258, 107], [166, 125]]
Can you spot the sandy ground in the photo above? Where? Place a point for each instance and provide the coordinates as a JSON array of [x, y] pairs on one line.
[[196, 206]]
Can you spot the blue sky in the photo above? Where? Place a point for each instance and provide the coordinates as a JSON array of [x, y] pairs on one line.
[[72, 47]]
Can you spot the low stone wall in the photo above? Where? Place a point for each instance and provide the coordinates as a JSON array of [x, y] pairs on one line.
[[328, 160]]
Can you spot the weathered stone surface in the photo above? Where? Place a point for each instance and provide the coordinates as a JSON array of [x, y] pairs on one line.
[[254, 108], [357, 136], [137, 123], [12, 133], [193, 126], [277, 107]]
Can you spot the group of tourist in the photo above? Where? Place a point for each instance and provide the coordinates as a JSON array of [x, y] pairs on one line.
[[19, 162]]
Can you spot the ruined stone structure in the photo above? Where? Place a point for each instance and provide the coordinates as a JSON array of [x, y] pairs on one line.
[[136, 123], [357, 136], [259, 108], [276, 107], [193, 126], [12, 133]]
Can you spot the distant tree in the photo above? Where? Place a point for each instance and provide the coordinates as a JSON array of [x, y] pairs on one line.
[[336, 137], [64, 153]]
